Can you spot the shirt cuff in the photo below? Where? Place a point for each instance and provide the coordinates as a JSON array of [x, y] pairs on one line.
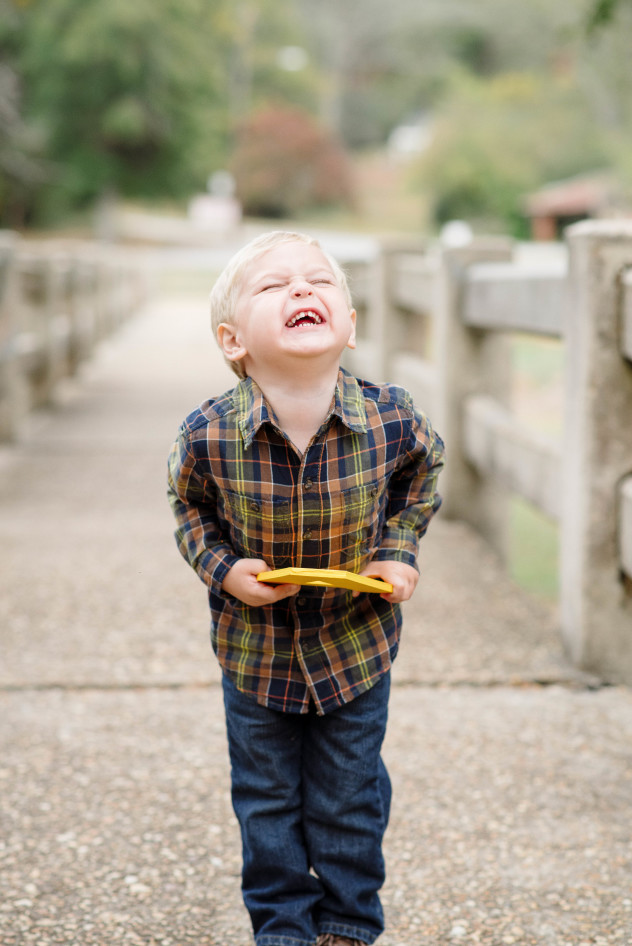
[[396, 555], [215, 566]]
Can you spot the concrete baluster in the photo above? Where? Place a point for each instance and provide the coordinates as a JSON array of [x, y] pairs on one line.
[[596, 600], [13, 387], [469, 361]]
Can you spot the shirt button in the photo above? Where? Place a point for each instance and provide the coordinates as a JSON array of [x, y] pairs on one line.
[[301, 601], [307, 534], [254, 506], [308, 484]]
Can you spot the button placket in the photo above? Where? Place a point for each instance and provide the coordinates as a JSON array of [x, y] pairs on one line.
[[307, 482]]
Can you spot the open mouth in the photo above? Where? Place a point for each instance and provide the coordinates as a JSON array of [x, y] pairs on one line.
[[307, 317]]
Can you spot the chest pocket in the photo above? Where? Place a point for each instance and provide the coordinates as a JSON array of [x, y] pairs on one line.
[[260, 528], [360, 509]]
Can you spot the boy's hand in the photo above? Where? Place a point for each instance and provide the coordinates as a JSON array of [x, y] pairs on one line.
[[241, 582], [402, 577]]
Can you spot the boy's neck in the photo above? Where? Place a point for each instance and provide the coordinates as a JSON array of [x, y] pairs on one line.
[[300, 402]]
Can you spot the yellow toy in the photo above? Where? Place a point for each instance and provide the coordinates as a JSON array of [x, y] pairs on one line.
[[325, 578]]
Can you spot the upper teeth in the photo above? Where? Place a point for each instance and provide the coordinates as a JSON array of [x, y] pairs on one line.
[[300, 315]]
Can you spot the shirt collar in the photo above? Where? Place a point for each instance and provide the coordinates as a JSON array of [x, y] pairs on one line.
[[349, 403], [253, 410]]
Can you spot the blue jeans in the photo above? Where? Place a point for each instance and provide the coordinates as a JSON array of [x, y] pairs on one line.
[[312, 798]]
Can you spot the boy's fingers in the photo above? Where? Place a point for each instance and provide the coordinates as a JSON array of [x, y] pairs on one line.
[[283, 591], [400, 593], [256, 565]]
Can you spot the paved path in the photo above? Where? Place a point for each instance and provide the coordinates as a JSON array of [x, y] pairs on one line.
[[512, 773]]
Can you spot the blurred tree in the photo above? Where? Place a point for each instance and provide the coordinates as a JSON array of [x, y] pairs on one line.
[[604, 73], [370, 80], [498, 139], [256, 73], [21, 164], [144, 97], [603, 12], [126, 94], [386, 62], [285, 162]]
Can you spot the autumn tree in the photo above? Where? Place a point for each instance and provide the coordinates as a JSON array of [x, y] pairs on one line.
[[286, 162]]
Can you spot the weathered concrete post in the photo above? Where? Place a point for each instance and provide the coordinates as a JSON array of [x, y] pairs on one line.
[[380, 329], [596, 605], [469, 361], [38, 285], [13, 387], [374, 353]]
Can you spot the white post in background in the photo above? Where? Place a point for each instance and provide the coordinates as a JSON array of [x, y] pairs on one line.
[[470, 361], [595, 597]]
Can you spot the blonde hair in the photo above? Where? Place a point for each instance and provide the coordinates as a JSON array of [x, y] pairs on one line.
[[225, 292]]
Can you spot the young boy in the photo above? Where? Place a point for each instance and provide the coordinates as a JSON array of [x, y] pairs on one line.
[[301, 464]]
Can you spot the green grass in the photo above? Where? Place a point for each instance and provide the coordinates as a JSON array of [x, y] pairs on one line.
[[538, 357], [538, 366], [533, 550], [538, 383]]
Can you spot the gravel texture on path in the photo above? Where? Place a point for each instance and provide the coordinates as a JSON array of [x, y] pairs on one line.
[[512, 771]]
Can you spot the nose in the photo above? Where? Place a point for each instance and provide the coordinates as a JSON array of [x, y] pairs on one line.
[[301, 288]]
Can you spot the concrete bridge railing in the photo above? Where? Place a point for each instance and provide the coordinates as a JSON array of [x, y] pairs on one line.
[[57, 301], [439, 321]]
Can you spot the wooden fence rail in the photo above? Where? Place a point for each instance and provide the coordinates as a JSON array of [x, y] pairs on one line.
[[439, 320], [57, 301]]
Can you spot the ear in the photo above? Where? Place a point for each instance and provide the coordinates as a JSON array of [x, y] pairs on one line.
[[229, 341], [352, 338]]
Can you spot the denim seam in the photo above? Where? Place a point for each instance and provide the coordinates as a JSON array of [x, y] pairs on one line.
[[351, 932], [272, 940]]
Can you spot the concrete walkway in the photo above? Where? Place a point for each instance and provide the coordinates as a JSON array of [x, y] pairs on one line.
[[512, 773]]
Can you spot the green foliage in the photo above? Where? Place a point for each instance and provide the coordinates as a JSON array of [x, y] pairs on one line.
[[126, 95], [147, 98], [603, 12], [533, 550], [498, 139], [21, 165], [285, 162]]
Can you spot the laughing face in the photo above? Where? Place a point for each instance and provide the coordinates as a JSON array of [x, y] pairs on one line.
[[290, 308]]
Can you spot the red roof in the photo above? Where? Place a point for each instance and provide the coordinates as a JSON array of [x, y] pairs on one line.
[[586, 194]]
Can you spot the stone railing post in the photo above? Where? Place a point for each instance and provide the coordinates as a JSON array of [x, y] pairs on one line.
[[376, 315], [13, 389], [469, 361], [596, 602], [382, 329]]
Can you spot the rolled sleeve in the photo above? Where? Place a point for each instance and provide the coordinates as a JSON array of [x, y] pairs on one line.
[[413, 496], [198, 533]]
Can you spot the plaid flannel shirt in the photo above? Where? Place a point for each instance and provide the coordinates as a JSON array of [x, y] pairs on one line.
[[365, 489]]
